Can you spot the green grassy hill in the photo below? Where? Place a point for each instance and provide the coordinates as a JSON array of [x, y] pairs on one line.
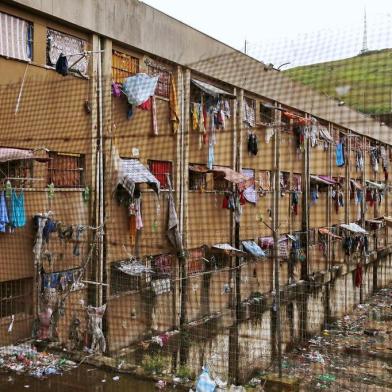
[[369, 77]]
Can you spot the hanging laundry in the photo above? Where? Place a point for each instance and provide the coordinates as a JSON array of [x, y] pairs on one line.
[[314, 194], [299, 137], [211, 141], [251, 195], [374, 158], [249, 113], [340, 154], [79, 230], [241, 198], [18, 216], [62, 65], [154, 116], [237, 208], [297, 182], [269, 132], [338, 196], [173, 106], [384, 160], [314, 134], [294, 202], [3, 213], [65, 232], [116, 89], [146, 105], [129, 111], [160, 286], [265, 180], [195, 116], [359, 160], [252, 144], [164, 264], [138, 214], [358, 275], [225, 202], [50, 227], [139, 88]]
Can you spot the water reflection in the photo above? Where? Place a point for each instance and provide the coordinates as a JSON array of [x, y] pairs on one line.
[[82, 379]]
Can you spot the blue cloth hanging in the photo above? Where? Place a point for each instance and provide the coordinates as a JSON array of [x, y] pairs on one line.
[[18, 216], [339, 155], [3, 213]]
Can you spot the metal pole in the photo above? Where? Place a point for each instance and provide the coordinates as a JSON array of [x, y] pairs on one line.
[[276, 246]]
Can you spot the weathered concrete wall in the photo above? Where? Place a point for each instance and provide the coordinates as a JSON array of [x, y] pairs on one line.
[[136, 24]]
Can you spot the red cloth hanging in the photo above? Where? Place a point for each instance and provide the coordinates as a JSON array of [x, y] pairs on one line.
[[145, 105], [358, 275], [225, 202]]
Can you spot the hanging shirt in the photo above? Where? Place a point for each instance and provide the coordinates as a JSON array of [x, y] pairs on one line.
[[3, 213], [18, 217], [339, 155]]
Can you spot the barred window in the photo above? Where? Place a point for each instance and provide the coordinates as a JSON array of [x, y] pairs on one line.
[[163, 85], [18, 172], [197, 181], [16, 37], [123, 66], [266, 114], [16, 297], [66, 170], [159, 169]]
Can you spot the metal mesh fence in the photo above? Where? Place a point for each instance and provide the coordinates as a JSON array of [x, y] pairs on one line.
[[157, 219]]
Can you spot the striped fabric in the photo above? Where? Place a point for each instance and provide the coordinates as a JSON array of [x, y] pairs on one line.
[[14, 37]]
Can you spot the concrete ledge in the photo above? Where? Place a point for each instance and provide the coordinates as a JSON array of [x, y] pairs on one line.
[[273, 383]]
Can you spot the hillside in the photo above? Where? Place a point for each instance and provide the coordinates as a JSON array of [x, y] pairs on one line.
[[368, 78]]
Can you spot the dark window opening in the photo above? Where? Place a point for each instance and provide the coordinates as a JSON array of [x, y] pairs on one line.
[[217, 260], [18, 172], [197, 181], [16, 297], [121, 282], [220, 183], [266, 114]]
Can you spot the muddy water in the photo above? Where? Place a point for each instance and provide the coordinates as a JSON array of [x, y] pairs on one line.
[[82, 379]]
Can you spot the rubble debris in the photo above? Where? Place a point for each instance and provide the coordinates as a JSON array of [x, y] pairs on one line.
[[352, 350], [25, 359]]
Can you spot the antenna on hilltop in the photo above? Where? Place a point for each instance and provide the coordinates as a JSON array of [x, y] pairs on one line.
[[364, 42]]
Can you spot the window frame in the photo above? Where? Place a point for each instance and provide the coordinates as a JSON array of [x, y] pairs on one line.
[[80, 169], [73, 59], [164, 81], [13, 172], [163, 184], [25, 296], [266, 118], [29, 39], [192, 179], [134, 62], [122, 283]]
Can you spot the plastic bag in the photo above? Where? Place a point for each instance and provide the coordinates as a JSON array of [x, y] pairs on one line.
[[204, 382]]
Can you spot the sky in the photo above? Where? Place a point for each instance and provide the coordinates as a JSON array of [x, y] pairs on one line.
[[279, 31]]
